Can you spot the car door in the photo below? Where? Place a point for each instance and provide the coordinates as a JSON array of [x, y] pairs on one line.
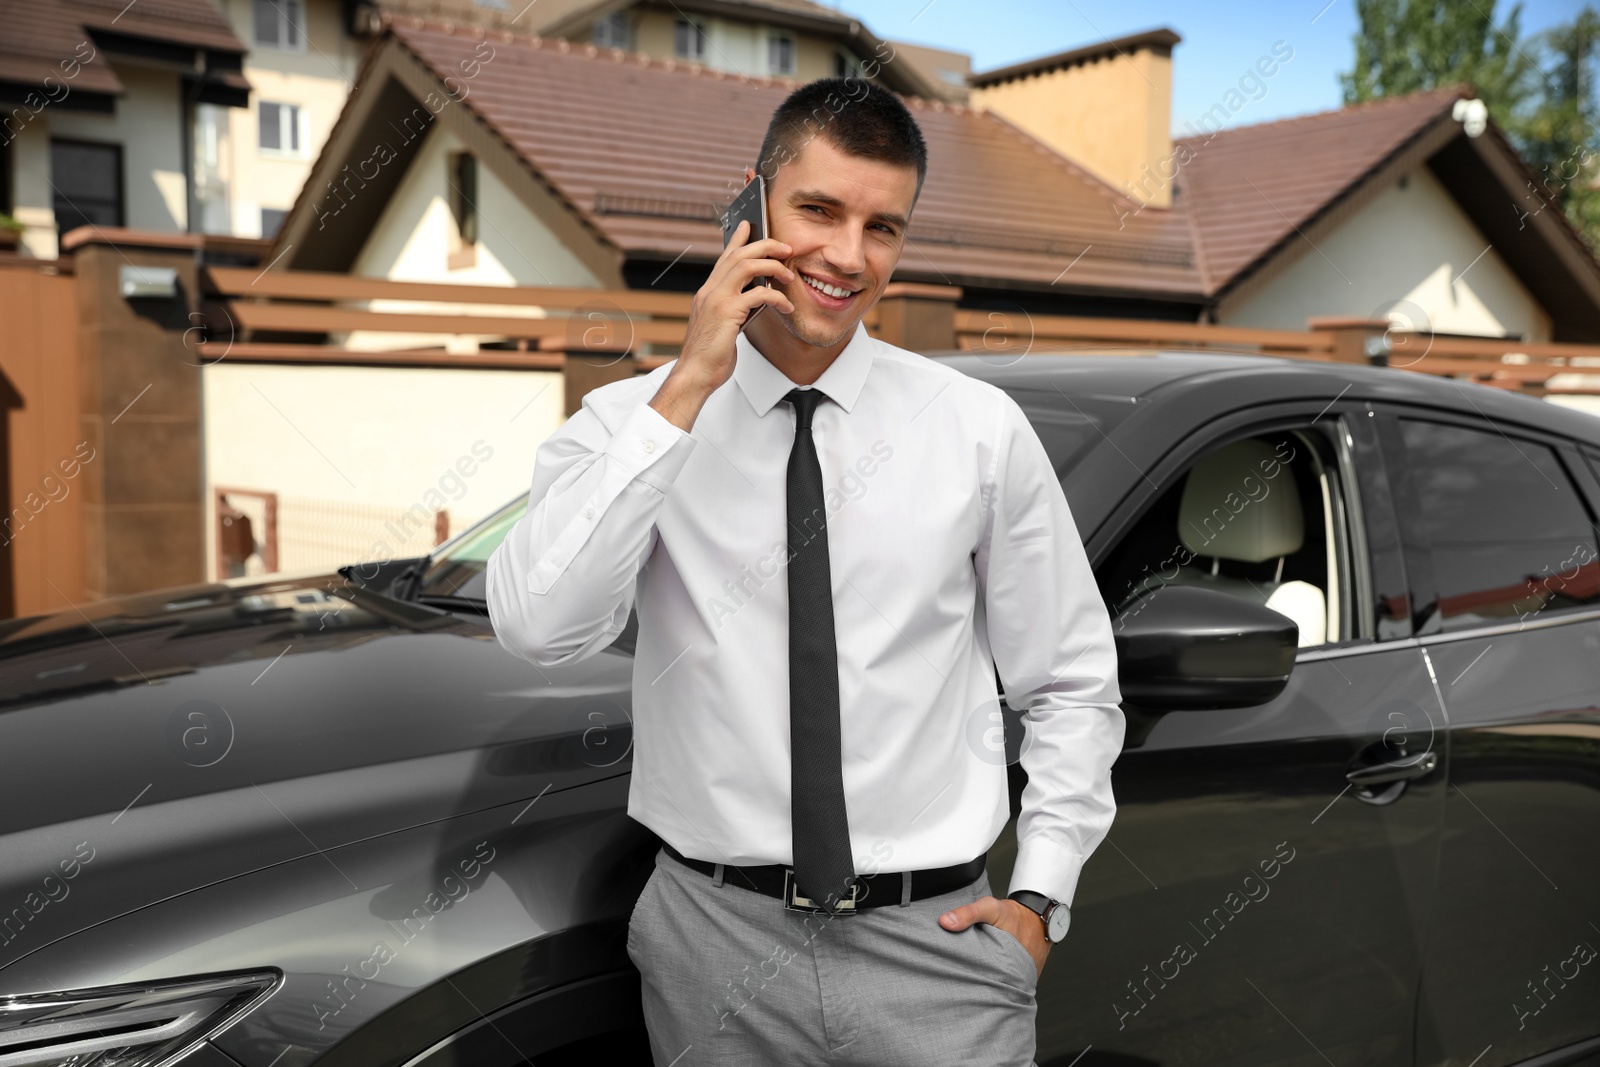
[[1502, 544], [1252, 905]]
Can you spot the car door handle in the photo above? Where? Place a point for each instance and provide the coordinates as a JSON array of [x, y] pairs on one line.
[[1394, 770]]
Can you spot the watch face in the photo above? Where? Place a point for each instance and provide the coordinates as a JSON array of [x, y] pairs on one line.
[[1056, 927]]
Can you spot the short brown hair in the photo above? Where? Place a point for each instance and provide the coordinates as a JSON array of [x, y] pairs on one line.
[[857, 117]]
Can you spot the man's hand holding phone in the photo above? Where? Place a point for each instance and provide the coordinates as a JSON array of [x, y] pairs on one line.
[[719, 311]]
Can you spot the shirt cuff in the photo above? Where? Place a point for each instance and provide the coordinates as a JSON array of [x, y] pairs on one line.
[[1046, 868], [650, 446]]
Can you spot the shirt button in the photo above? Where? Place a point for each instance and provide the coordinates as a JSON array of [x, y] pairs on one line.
[[649, 446], [588, 513]]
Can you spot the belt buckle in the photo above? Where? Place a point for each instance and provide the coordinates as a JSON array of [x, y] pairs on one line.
[[793, 901]]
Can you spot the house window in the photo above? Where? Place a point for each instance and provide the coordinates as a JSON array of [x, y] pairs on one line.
[[280, 23], [271, 219], [780, 54], [844, 65], [88, 184], [464, 196], [689, 40], [279, 131], [612, 31]]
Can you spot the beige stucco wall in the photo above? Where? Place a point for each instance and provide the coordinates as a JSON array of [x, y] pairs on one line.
[[732, 46], [317, 79], [414, 236], [1411, 255], [31, 195], [381, 438], [1112, 116], [147, 123]]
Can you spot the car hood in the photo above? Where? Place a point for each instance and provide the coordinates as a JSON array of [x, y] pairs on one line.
[[153, 744]]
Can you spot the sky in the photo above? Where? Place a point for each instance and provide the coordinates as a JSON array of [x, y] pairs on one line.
[[1221, 40]]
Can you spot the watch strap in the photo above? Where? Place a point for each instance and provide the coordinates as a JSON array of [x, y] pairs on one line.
[[1046, 908], [1035, 902]]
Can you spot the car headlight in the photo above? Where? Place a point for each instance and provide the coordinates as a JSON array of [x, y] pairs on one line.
[[143, 1024]]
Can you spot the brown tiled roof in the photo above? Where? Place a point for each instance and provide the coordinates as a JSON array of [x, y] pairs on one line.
[[1249, 187], [564, 18], [559, 16], [40, 35], [648, 151], [190, 22]]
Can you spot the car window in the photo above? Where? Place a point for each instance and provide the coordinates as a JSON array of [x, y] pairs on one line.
[[457, 569], [1510, 534], [1261, 518]]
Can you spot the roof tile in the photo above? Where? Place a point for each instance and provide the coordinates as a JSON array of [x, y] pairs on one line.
[[996, 206]]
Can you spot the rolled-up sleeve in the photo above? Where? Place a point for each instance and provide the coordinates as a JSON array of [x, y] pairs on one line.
[[561, 584], [1052, 643]]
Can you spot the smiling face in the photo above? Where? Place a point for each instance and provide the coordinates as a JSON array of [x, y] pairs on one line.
[[845, 217]]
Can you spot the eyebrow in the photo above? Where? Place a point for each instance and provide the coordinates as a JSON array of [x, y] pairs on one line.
[[820, 197]]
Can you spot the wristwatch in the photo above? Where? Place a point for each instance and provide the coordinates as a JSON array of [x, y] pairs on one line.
[[1055, 914]]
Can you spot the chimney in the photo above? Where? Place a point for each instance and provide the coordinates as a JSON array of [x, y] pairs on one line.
[[1106, 107]]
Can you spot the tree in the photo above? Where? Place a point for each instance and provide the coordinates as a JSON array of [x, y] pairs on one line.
[[1558, 138], [1409, 45], [1542, 93]]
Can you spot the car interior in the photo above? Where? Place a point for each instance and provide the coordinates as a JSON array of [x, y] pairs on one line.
[[1259, 518]]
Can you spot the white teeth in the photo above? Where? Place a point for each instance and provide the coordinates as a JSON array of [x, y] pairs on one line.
[[824, 287]]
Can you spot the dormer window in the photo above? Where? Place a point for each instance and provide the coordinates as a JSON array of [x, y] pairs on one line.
[[689, 40], [612, 31], [780, 54]]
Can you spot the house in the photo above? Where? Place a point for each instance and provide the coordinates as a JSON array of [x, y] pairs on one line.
[[780, 38], [97, 103], [228, 155], [249, 162], [498, 158]]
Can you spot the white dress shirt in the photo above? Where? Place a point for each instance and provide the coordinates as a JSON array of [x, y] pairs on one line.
[[951, 550]]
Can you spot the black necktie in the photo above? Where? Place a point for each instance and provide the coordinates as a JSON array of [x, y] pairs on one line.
[[821, 832]]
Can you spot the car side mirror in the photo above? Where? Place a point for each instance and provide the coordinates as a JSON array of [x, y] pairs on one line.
[[1185, 647]]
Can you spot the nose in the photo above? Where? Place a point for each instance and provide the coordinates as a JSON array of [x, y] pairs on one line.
[[845, 253]]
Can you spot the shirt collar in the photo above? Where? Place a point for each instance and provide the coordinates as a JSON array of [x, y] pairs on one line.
[[765, 385]]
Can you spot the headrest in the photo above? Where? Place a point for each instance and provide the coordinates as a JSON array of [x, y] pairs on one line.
[[1231, 508]]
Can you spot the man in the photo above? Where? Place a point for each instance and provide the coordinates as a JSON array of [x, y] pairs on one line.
[[831, 555]]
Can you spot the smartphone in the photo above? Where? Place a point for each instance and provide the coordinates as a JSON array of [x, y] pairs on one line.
[[750, 204]]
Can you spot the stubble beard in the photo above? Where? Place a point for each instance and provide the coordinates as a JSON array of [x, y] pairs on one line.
[[808, 333]]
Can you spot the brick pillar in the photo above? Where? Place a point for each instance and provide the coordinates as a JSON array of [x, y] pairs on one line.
[[918, 318], [1357, 340], [139, 407]]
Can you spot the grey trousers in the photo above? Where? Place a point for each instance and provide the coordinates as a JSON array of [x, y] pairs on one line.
[[731, 977]]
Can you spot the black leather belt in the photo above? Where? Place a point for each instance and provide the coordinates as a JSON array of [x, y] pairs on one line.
[[870, 890]]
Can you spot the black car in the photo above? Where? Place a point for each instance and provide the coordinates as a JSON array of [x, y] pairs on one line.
[[327, 818]]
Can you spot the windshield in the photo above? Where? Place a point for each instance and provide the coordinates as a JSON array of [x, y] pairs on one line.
[[458, 569], [1067, 426]]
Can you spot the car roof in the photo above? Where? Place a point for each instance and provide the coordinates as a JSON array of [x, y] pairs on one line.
[[1146, 373]]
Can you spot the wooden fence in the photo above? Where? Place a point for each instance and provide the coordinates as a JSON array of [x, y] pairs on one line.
[[87, 374], [49, 466], [287, 316]]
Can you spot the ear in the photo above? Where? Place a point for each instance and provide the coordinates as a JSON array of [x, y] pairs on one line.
[[749, 174]]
